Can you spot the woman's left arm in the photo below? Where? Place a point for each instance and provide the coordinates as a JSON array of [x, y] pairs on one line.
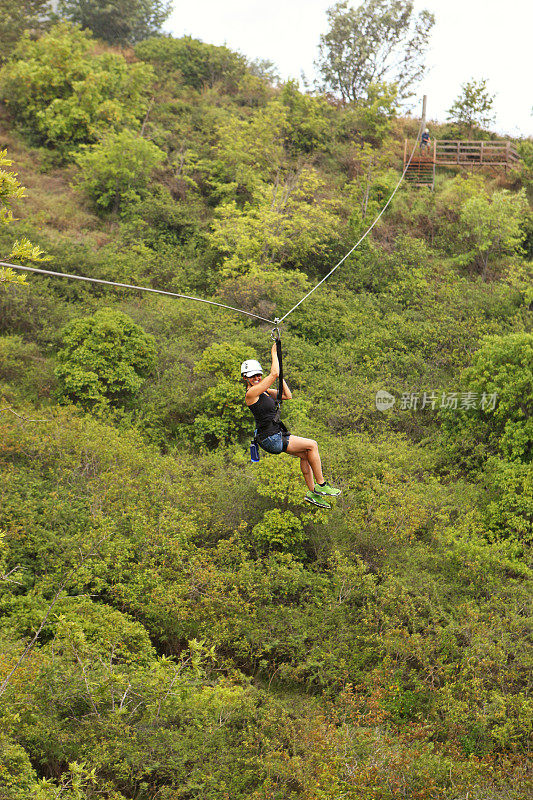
[[286, 395]]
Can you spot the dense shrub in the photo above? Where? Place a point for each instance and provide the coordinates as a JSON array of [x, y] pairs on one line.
[[62, 94], [104, 360], [198, 64], [115, 172]]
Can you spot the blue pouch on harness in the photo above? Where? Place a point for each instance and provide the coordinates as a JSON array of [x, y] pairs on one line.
[[254, 451]]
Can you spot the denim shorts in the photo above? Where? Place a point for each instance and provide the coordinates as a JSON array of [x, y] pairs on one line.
[[277, 443]]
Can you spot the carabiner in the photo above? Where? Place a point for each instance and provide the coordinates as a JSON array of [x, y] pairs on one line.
[[275, 333]]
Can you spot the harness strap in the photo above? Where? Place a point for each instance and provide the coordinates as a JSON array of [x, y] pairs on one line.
[[280, 379]]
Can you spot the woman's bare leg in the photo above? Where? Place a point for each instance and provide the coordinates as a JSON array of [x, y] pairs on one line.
[[307, 449], [307, 473]]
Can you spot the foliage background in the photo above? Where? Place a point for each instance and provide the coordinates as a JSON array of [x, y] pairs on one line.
[[213, 636]]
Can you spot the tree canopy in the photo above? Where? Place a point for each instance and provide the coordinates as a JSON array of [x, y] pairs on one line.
[[473, 106], [117, 21], [104, 359], [63, 94], [379, 41], [16, 16]]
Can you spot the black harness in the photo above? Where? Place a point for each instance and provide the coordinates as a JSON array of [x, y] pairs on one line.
[[277, 415]]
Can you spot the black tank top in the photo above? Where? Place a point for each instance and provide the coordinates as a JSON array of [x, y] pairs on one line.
[[264, 412]]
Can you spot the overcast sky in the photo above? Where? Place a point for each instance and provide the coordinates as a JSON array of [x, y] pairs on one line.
[[477, 39]]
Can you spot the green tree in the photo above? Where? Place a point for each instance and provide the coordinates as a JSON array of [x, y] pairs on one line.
[[62, 93], [289, 223], [264, 69], [492, 227], [373, 117], [509, 487], [503, 366], [118, 21], [198, 64], [308, 120], [104, 360], [473, 107], [22, 249], [382, 40], [247, 152], [223, 415], [116, 171], [16, 16]]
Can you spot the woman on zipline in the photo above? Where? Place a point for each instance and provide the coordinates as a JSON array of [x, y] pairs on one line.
[[273, 436]]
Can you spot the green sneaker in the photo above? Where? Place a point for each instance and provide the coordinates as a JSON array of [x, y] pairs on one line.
[[327, 489], [316, 499]]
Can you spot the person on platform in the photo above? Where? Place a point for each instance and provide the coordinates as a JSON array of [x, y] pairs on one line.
[[424, 141]]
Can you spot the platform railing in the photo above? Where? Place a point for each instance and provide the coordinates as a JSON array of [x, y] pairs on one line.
[[447, 152], [474, 152]]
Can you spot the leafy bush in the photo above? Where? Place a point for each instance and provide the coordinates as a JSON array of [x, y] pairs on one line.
[[17, 776], [509, 510], [308, 125], [104, 360], [116, 171], [283, 224], [497, 436], [247, 153], [501, 368], [491, 228], [62, 94], [198, 64], [223, 414], [371, 117], [280, 530]]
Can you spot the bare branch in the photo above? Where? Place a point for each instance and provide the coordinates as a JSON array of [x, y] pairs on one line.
[[26, 419]]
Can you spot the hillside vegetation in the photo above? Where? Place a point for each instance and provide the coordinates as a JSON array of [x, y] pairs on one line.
[[203, 633]]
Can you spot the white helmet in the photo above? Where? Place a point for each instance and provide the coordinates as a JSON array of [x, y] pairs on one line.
[[251, 367]]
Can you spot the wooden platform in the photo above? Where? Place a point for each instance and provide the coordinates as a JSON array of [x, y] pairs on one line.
[[463, 154]]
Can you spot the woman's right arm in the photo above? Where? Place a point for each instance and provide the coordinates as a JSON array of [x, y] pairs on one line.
[[254, 391]]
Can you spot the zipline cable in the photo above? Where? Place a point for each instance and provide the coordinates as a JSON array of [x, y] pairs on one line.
[[131, 286], [343, 259], [275, 321]]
